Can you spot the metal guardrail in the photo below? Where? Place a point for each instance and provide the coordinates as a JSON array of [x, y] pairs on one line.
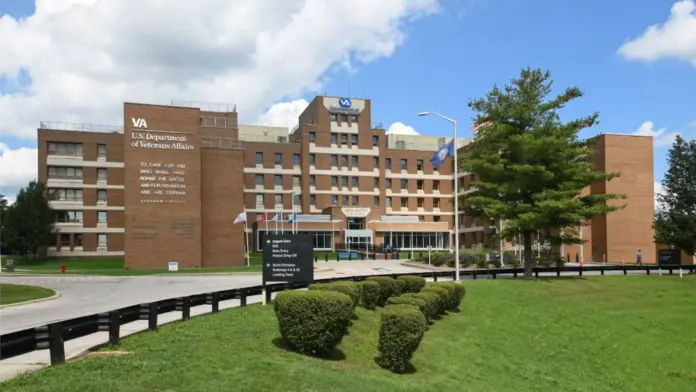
[[80, 127], [53, 336]]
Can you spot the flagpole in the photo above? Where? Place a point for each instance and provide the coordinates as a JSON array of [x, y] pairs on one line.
[[456, 205], [246, 238]]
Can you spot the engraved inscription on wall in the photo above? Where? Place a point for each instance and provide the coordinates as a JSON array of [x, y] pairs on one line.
[[162, 183], [186, 228]]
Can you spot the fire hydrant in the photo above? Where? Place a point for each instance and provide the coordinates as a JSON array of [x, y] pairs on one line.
[[62, 268]]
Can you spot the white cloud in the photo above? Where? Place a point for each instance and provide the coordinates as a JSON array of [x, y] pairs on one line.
[[17, 168], [675, 38], [658, 191], [85, 57], [661, 137], [283, 114], [399, 128]]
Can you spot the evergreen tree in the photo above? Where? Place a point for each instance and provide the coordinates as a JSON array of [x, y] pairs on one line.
[[29, 222], [675, 220], [3, 207], [530, 167]]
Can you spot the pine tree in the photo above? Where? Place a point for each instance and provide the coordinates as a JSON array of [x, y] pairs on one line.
[[675, 219], [530, 167], [29, 222]]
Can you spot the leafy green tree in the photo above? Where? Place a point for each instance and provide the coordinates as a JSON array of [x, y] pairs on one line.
[[29, 222], [675, 219], [531, 167], [3, 207]]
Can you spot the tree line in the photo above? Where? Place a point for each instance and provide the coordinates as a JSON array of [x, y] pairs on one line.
[[27, 224]]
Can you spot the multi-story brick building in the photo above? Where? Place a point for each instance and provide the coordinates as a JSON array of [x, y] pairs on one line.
[[167, 185]]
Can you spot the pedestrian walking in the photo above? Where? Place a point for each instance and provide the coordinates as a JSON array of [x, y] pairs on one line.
[[639, 257]]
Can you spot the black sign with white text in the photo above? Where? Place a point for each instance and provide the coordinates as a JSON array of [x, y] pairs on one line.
[[288, 258], [669, 257]]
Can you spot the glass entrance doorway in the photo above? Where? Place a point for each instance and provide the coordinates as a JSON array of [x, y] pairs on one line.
[[358, 242]]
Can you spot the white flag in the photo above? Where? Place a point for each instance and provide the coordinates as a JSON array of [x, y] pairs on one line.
[[241, 217]]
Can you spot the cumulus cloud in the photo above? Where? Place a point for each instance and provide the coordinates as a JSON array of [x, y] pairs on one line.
[[17, 168], [80, 59], [674, 38], [658, 191], [283, 114], [399, 128], [661, 137]]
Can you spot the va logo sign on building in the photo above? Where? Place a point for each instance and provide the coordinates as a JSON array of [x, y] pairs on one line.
[[139, 122], [344, 102]]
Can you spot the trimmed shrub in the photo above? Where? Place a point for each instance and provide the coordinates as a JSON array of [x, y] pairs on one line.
[[459, 292], [409, 300], [400, 287], [369, 294], [387, 287], [443, 295], [432, 303], [453, 300], [351, 289], [414, 284], [313, 321], [400, 334]]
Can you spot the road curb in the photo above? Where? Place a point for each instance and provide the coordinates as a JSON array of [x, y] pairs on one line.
[[54, 296]]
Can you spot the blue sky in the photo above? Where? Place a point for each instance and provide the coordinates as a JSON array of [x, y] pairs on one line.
[[458, 53]]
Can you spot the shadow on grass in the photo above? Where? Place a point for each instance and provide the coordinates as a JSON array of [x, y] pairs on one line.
[[551, 279], [335, 354], [410, 369]]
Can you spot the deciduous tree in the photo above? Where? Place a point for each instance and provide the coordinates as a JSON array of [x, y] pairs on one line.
[[29, 222], [530, 166]]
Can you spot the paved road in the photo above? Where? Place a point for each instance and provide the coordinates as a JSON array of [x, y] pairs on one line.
[[85, 295]]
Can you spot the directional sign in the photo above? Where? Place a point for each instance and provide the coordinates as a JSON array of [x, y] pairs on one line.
[[288, 258], [669, 257]]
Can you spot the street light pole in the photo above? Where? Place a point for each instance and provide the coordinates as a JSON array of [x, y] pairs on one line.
[[456, 190]]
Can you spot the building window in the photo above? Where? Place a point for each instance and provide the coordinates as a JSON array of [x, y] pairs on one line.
[[375, 182], [334, 160], [376, 201], [101, 150], [375, 141], [69, 216], [387, 163], [354, 140], [312, 180], [353, 119], [404, 202], [419, 185], [387, 183], [279, 200], [278, 158], [334, 181], [295, 181], [312, 137], [259, 158], [344, 139], [404, 164], [312, 200], [65, 172], [387, 201], [296, 159], [101, 174], [375, 162], [421, 218], [101, 195], [354, 161], [420, 202], [344, 181], [65, 194], [259, 179], [354, 182], [67, 149], [355, 201], [344, 160], [333, 117], [277, 180], [259, 199], [101, 240], [334, 138], [79, 239], [436, 203], [404, 184], [297, 200], [101, 216], [334, 200], [344, 118], [419, 165], [436, 218], [65, 240], [312, 159], [436, 185], [344, 200]]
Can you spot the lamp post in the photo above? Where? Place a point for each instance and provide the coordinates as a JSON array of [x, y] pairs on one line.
[[456, 190]]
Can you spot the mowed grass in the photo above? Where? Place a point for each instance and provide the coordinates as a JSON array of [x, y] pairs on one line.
[[16, 293], [611, 333]]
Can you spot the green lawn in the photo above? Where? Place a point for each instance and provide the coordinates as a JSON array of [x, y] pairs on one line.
[[612, 333], [15, 293]]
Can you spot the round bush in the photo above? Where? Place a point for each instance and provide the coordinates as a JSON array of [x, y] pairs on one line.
[[432, 303], [351, 289], [409, 300], [414, 284], [369, 294], [387, 287], [443, 296], [400, 334], [460, 292], [452, 302], [400, 286], [313, 321]]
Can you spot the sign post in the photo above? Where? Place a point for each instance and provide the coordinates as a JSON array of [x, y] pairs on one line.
[[287, 258], [430, 249]]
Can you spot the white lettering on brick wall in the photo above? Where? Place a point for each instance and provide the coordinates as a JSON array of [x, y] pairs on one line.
[[162, 141], [162, 183]]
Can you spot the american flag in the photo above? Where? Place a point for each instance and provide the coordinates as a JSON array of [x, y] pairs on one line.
[[475, 127]]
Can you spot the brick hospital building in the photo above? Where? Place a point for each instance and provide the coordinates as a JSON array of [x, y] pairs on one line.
[[168, 183]]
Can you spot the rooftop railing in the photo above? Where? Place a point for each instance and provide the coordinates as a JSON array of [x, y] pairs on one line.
[[224, 143], [206, 106], [80, 127]]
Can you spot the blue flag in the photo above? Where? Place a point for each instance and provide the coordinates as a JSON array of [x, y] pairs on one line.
[[292, 217], [441, 155]]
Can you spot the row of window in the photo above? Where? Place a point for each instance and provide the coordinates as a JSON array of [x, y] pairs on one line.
[[77, 216], [345, 201], [278, 160], [72, 149], [73, 173], [78, 240], [278, 181], [73, 195]]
